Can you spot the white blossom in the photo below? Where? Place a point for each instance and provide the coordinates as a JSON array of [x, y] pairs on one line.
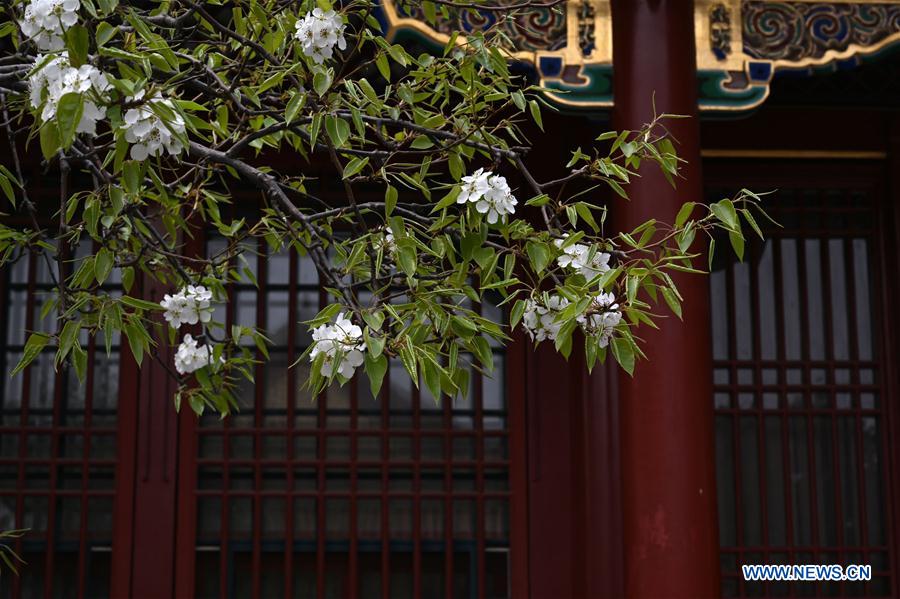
[[55, 77], [490, 193], [473, 186], [586, 259], [149, 134], [190, 305], [540, 322], [190, 357], [319, 32], [45, 21], [342, 345], [384, 240], [602, 319]]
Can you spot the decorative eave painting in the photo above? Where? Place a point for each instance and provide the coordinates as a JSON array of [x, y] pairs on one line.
[[741, 44]]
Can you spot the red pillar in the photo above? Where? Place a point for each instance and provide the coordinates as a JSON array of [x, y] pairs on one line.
[[571, 492], [666, 419], [143, 559]]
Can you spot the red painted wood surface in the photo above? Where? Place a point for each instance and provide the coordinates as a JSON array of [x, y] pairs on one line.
[[143, 556], [668, 475], [574, 535]]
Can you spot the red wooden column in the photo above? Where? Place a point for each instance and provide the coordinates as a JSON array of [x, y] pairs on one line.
[[666, 417], [143, 546], [574, 533]]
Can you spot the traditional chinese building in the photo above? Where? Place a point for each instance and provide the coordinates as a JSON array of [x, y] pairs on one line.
[[764, 428]]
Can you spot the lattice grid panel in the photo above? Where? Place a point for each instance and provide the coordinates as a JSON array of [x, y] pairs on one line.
[[57, 446], [800, 397], [345, 495]]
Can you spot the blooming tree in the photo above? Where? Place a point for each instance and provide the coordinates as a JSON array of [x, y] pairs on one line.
[[174, 109]]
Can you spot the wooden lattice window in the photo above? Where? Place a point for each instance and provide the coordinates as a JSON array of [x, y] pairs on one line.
[[57, 445], [801, 389], [345, 495]]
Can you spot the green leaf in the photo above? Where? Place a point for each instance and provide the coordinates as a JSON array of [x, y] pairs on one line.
[[482, 350], [684, 213], [673, 301], [536, 113], [293, 107], [383, 67], [509, 263], [127, 278], [103, 265], [321, 82], [607, 278], [376, 367], [725, 212], [116, 199], [91, 215], [518, 99], [619, 141], [686, 238], [67, 339], [354, 166], [375, 345], [68, 115], [390, 200], [78, 44], [358, 122], [374, 320], [463, 327], [432, 375], [461, 380], [631, 288], [617, 188], [563, 341], [752, 221], [271, 82], [606, 135], [135, 335], [131, 176], [457, 167], [407, 356], [468, 244], [430, 11], [398, 54], [538, 254], [623, 353], [406, 256], [338, 130], [139, 303], [448, 200], [49, 140], [105, 32], [8, 189], [367, 89], [36, 342], [314, 128], [515, 315], [584, 211], [737, 242], [79, 360], [484, 256]]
